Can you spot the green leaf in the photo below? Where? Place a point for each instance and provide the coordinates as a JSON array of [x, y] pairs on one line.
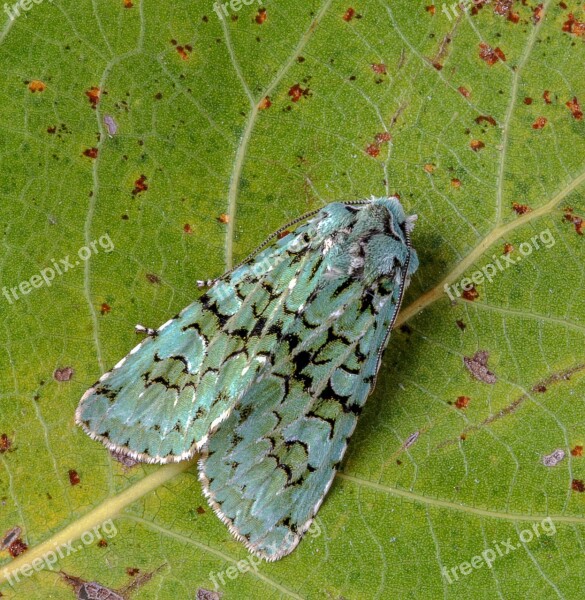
[[443, 466]]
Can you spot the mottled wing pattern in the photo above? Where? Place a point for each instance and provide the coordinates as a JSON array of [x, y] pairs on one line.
[[161, 401], [268, 467]]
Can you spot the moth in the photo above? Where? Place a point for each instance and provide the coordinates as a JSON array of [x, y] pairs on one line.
[[266, 374]]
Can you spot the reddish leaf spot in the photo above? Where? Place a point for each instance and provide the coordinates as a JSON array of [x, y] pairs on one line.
[[546, 97], [577, 451], [128, 4], [430, 9], [429, 168], [36, 86], [283, 234], [382, 138], [573, 26], [63, 374], [200, 510], [574, 106], [456, 183], [470, 294], [537, 14], [296, 92], [74, 478], [140, 185], [132, 571], [91, 152], [187, 228], [501, 7], [349, 15], [508, 248], [528, 101], [105, 308], [437, 66], [539, 123], [373, 150], [490, 55], [379, 68], [577, 221], [485, 118], [477, 145], [5, 443], [462, 402], [94, 95], [513, 17], [183, 53], [102, 544], [223, 218], [51, 130], [261, 16], [521, 209], [153, 278], [464, 91], [577, 485], [264, 103], [17, 548]]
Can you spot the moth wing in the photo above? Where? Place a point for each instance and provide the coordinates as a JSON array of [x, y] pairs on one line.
[[160, 402], [267, 468]]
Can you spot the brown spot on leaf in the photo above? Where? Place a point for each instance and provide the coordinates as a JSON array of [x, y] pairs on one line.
[[296, 92], [36, 86], [490, 55], [520, 209], [464, 91], [153, 278], [128, 4], [91, 153], [477, 366], [5, 443], [527, 101], [132, 571], [17, 547], [200, 510], [183, 52], [382, 138], [577, 451], [74, 478], [224, 219], [508, 248], [537, 14], [461, 324], [94, 95], [379, 68], [261, 16], [140, 185], [430, 9], [577, 485], [102, 543], [63, 374], [187, 228], [513, 17], [501, 7], [575, 108], [476, 145], [349, 15], [485, 118], [264, 103], [573, 26], [577, 221], [283, 234], [373, 150], [546, 97], [470, 294], [105, 308], [456, 183], [539, 123], [462, 402]]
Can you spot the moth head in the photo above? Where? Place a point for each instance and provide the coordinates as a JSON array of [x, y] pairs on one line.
[[377, 243]]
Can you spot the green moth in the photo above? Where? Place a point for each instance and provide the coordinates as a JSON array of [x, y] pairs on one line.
[[266, 374]]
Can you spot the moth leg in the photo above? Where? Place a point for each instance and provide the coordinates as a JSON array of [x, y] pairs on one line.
[[146, 330]]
